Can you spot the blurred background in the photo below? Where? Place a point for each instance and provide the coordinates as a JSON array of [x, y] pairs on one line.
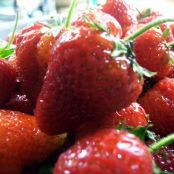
[[30, 10]]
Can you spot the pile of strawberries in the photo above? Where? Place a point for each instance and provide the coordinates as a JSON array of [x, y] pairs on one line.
[[104, 76]]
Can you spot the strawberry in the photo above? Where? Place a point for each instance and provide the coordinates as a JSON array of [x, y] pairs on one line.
[[124, 12], [19, 102], [33, 51], [107, 151], [97, 18], [7, 81], [44, 48], [27, 31], [152, 53], [172, 28], [158, 103], [84, 81], [149, 15], [134, 115], [22, 143], [165, 158]]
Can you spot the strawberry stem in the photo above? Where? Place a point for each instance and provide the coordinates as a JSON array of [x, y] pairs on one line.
[[147, 27], [162, 142], [70, 11], [13, 32], [170, 45]]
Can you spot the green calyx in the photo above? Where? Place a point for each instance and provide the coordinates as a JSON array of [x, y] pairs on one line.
[[146, 13], [7, 48], [142, 132], [125, 46]]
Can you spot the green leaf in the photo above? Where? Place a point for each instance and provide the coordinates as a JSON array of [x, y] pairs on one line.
[[142, 71], [6, 52], [145, 13], [7, 48], [171, 60], [136, 67], [119, 49], [142, 132], [166, 33]]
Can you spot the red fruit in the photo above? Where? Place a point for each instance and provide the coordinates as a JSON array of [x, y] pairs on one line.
[[32, 62], [29, 72], [107, 151], [100, 18], [22, 143], [145, 18], [27, 31], [19, 102], [7, 81], [84, 81], [153, 16], [44, 48], [124, 12], [164, 158], [151, 52], [158, 103], [134, 115], [172, 28]]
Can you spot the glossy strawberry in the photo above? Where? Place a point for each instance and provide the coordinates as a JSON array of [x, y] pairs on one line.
[[124, 12], [147, 16], [7, 81], [172, 28], [153, 15], [84, 81], [44, 48], [27, 31], [22, 143], [31, 62], [99, 20], [165, 159], [19, 102], [134, 115], [152, 53], [158, 103], [107, 151]]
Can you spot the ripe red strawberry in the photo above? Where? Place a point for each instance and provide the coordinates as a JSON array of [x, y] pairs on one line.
[[84, 81], [134, 115], [97, 18], [33, 51], [19, 102], [44, 48], [22, 143], [164, 158], [153, 15], [152, 53], [7, 81], [147, 16], [27, 31], [172, 28], [123, 12], [107, 151], [158, 103]]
